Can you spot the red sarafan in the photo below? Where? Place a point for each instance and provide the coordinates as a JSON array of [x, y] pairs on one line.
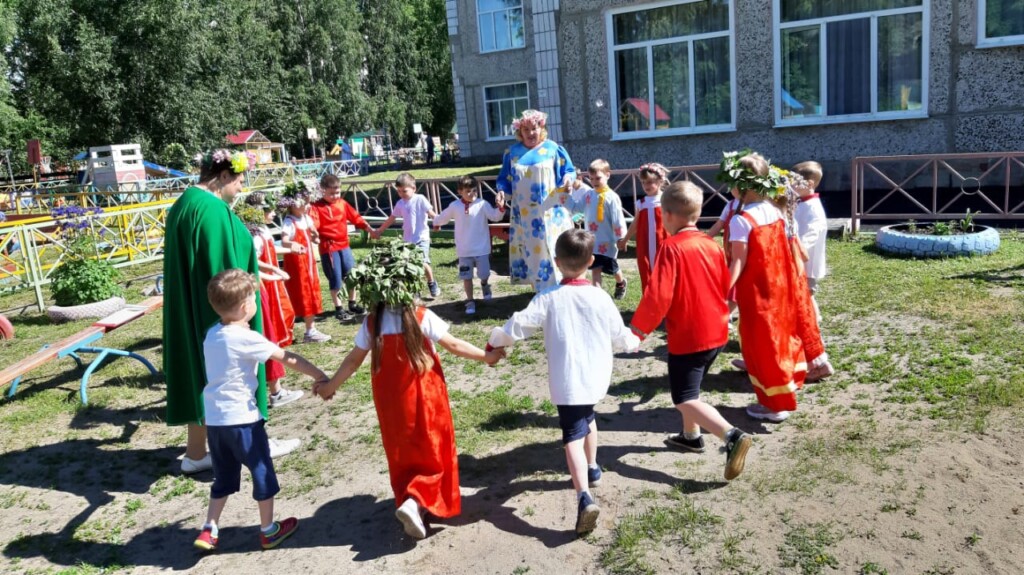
[[6, 328]]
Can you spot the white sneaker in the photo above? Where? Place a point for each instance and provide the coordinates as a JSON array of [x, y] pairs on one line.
[[315, 336], [190, 466], [739, 364], [758, 411], [281, 447], [284, 397], [470, 308], [409, 514]]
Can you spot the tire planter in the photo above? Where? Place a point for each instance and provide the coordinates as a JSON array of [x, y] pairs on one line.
[[896, 239], [6, 328], [98, 309]]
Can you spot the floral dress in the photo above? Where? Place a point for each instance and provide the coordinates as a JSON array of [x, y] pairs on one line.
[[528, 177]]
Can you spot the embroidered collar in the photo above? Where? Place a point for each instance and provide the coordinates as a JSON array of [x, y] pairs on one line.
[[575, 282], [809, 197]]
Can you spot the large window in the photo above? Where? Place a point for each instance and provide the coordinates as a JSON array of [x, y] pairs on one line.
[[850, 60], [501, 24], [1000, 22], [671, 68], [503, 104]]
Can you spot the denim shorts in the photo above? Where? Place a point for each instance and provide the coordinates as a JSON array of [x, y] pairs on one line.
[[337, 264], [231, 447], [424, 246], [574, 421], [482, 265]]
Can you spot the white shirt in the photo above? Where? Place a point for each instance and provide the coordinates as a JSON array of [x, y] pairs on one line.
[[232, 354], [433, 327], [582, 329], [651, 204], [472, 234], [291, 223], [811, 228], [414, 218], [764, 213], [730, 206]]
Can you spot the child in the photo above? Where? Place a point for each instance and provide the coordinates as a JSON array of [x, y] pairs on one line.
[[472, 236], [647, 225], [332, 215], [298, 234], [414, 210], [761, 270], [603, 217], [278, 315], [688, 289], [409, 389], [811, 224], [582, 327], [235, 428]]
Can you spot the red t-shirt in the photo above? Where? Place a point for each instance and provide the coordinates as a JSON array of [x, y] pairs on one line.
[[332, 220], [687, 287]]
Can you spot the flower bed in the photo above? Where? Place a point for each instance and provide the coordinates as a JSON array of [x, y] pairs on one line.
[[899, 239]]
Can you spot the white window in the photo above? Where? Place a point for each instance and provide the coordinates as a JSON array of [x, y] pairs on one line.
[[1000, 23], [671, 68], [501, 24], [850, 60], [503, 104]]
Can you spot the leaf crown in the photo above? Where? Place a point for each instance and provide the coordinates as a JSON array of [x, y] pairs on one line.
[[391, 274]]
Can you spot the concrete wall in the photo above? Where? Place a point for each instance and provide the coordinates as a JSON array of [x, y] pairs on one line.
[[975, 99]]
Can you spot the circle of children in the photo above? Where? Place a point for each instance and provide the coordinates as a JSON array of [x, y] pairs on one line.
[[774, 256]]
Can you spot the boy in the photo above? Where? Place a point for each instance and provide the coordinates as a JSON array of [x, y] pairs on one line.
[[331, 215], [582, 328], [234, 427], [603, 217], [811, 229], [472, 236], [414, 210], [687, 287]]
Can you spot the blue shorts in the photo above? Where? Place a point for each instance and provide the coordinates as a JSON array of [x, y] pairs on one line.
[[231, 447], [336, 266], [574, 421], [424, 246], [608, 265]]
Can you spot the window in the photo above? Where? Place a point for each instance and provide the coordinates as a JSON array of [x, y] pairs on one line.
[[671, 68], [501, 24], [504, 104], [1000, 22], [850, 60]]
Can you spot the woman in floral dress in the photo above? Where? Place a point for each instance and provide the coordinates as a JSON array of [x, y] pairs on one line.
[[531, 170]]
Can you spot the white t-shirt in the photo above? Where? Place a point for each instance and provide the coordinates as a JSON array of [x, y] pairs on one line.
[[232, 354], [811, 228], [764, 213], [433, 327], [582, 330], [414, 218], [290, 223], [472, 234], [730, 206]]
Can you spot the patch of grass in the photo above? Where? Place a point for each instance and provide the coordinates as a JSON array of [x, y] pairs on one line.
[[483, 419], [170, 486], [807, 547], [88, 569], [684, 524], [872, 568]]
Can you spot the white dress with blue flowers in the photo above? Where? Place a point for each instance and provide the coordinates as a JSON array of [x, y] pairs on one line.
[[528, 177]]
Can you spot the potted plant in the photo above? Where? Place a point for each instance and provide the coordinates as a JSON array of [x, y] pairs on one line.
[[82, 284], [939, 239]]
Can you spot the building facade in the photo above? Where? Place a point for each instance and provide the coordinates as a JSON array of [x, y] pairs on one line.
[[679, 81]]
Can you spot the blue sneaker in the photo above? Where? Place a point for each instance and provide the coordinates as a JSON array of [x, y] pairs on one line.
[[594, 476], [586, 517]]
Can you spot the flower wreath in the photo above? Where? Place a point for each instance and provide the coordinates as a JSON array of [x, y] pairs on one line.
[[655, 168], [240, 161], [732, 173], [391, 273], [295, 193], [530, 117]]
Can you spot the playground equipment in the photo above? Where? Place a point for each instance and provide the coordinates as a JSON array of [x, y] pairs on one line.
[[266, 152], [82, 342], [6, 328], [158, 171], [116, 166]]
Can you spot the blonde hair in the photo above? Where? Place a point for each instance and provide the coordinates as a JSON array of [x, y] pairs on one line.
[[600, 165], [755, 163], [229, 289], [810, 171], [683, 199], [543, 134]]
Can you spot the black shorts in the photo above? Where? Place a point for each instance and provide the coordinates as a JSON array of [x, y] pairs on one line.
[[608, 265], [686, 372], [574, 421]]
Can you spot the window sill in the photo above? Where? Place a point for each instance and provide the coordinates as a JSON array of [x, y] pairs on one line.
[[504, 139], [652, 134], [489, 52], [1004, 42], [851, 119]]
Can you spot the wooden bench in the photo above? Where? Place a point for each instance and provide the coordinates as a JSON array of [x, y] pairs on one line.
[[82, 342]]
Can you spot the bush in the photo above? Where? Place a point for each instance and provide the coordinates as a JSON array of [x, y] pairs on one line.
[[174, 156], [77, 282]]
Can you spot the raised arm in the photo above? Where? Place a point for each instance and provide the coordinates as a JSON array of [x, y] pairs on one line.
[[522, 325]]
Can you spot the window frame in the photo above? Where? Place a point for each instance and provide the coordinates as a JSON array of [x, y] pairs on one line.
[[487, 127], [875, 116], [984, 41], [650, 44], [491, 13]]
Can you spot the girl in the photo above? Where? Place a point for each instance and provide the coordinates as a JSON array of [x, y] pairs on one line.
[[278, 315], [409, 388], [646, 225], [298, 234], [761, 270]]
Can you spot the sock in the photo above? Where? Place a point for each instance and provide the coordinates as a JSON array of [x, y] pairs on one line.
[[351, 302], [212, 526], [271, 529], [691, 434], [593, 465]]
